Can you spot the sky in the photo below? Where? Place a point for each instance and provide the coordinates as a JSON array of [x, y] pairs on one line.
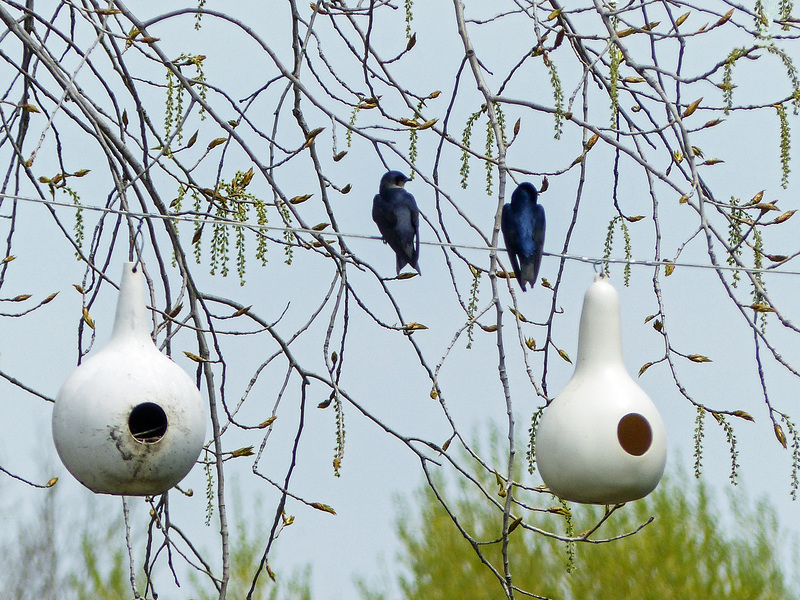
[[380, 369]]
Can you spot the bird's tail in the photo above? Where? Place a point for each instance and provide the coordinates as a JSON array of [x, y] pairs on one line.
[[528, 270], [402, 261], [408, 256]]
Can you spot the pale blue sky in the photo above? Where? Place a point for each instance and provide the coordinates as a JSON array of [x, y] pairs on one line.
[[380, 370]]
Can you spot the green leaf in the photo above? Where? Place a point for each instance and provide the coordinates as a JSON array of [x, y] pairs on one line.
[[323, 507]]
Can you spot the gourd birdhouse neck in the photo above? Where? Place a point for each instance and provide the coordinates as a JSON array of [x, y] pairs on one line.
[[131, 320], [599, 337]]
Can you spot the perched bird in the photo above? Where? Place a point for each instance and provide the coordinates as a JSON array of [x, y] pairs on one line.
[[522, 223], [396, 214]]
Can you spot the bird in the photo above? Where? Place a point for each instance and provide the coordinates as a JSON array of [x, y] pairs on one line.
[[395, 212], [522, 223]]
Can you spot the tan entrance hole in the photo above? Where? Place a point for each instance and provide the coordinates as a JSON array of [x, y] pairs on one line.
[[634, 434]]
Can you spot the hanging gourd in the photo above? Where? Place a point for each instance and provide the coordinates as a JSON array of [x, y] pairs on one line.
[[601, 440], [129, 421]]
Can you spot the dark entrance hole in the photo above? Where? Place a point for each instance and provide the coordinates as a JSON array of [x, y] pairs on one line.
[[147, 422], [634, 434]]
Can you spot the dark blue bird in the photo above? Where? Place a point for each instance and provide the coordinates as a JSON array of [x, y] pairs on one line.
[[522, 223], [396, 214]]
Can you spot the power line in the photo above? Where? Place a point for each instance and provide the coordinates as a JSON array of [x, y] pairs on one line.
[[207, 220]]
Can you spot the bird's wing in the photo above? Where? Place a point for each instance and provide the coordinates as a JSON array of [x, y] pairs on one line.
[[383, 214], [538, 234], [409, 201], [508, 226]]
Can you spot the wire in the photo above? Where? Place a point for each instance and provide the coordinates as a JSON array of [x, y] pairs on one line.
[[213, 221]]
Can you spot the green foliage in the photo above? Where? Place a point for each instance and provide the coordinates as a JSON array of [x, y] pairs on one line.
[[353, 116], [466, 138], [177, 204], [210, 487], [489, 149], [340, 435], [490, 143], [530, 454], [66, 550], [699, 433], [413, 139], [569, 531], [173, 105], [740, 227], [795, 439], [220, 240], [737, 53], [288, 234], [474, 291], [558, 94], [59, 182], [609, 246], [616, 59], [785, 145], [79, 223], [727, 76], [246, 543], [785, 7], [615, 55], [45, 559], [501, 121], [791, 72], [261, 244], [199, 14], [758, 263], [687, 552], [735, 236], [231, 205], [103, 572], [760, 18], [173, 117], [247, 535], [30, 550], [441, 564], [730, 437], [198, 229], [240, 215]]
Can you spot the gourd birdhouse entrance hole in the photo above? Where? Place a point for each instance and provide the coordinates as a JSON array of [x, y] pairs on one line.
[[601, 440], [634, 434], [148, 422], [128, 420]]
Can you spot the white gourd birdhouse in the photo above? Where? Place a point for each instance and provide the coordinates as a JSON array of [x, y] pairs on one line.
[[601, 440], [129, 421]]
